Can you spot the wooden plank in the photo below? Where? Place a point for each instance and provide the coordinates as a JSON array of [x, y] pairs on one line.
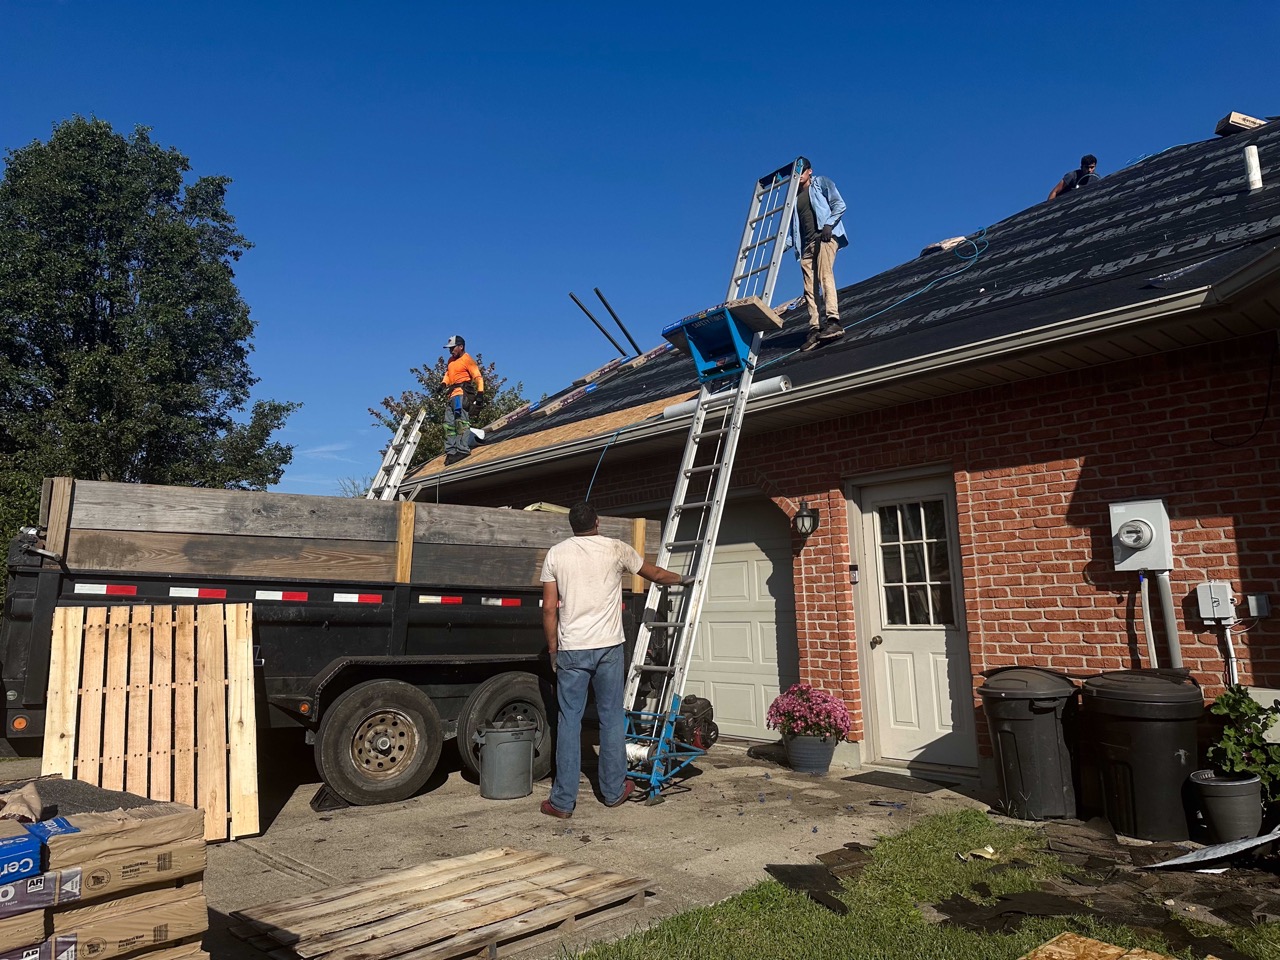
[[486, 526], [161, 740], [638, 527], [242, 723], [404, 541], [465, 565], [283, 910], [60, 494], [226, 555], [523, 915], [59, 754], [443, 920], [184, 706], [199, 510], [754, 314], [138, 743], [211, 718], [115, 704], [92, 679], [411, 909]]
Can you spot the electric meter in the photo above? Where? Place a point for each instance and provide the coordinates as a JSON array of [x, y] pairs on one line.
[[1140, 535], [1135, 534]]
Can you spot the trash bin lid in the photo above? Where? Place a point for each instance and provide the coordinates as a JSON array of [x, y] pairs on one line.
[[1026, 683], [1144, 686]]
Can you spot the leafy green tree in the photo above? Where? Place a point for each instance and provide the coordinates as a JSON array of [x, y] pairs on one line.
[[124, 342], [501, 400]]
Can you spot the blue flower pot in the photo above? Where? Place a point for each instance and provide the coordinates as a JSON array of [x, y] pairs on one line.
[[810, 754]]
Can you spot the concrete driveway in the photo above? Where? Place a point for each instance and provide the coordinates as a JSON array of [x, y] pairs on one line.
[[709, 840]]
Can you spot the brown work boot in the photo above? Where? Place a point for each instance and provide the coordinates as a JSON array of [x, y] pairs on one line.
[[831, 330], [812, 341], [556, 812], [628, 788]]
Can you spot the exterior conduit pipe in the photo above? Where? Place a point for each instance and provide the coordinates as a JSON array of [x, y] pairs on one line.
[[1144, 583], [759, 388], [1170, 623], [1233, 665]]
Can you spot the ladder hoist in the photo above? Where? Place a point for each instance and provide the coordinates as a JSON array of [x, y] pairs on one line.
[[724, 343]]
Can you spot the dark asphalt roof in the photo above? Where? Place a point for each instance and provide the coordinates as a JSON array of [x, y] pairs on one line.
[[1176, 221]]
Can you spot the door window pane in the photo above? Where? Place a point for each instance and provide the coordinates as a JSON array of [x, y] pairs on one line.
[[912, 524], [889, 525], [915, 562], [895, 606], [892, 565]]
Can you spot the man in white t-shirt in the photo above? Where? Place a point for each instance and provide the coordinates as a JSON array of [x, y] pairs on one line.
[[582, 618]]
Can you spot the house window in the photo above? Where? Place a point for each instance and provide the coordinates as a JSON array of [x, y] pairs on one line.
[[915, 564]]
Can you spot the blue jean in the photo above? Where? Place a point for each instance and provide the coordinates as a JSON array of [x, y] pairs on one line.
[[602, 671]]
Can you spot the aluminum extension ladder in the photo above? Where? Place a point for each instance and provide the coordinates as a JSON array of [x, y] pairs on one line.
[[395, 462], [724, 343], [773, 201]]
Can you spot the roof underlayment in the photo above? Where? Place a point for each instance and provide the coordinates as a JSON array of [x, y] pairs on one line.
[[1179, 221]]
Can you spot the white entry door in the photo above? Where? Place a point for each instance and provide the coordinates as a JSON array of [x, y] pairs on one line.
[[914, 649]]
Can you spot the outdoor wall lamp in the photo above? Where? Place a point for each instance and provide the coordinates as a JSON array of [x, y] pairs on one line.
[[806, 519]]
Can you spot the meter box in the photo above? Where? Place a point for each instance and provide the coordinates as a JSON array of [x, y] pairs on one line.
[[1140, 535]]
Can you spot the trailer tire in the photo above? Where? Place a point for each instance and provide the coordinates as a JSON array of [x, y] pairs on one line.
[[379, 742], [522, 696]]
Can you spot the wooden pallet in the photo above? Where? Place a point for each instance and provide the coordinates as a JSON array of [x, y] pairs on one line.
[[158, 701], [497, 901]]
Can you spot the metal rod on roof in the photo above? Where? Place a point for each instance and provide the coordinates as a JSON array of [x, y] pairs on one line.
[[597, 323], [635, 346]]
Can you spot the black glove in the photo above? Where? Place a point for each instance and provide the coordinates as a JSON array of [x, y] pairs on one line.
[[826, 233], [482, 399]]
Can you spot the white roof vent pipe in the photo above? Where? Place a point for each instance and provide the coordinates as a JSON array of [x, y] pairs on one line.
[[759, 388], [1252, 168]]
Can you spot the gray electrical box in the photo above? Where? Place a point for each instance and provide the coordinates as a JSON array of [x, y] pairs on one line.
[[1140, 535], [1214, 601]]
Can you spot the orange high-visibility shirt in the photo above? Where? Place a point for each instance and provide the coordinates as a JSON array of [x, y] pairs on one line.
[[460, 371]]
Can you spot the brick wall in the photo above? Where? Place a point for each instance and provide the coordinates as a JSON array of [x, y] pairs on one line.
[[1035, 466]]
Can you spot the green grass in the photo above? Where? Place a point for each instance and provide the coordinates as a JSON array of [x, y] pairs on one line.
[[884, 923]]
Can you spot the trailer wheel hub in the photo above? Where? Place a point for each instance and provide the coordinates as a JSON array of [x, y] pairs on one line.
[[383, 742]]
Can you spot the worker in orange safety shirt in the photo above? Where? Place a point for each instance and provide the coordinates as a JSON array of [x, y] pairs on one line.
[[465, 386]]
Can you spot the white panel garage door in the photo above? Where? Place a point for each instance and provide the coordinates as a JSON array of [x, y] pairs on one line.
[[746, 646]]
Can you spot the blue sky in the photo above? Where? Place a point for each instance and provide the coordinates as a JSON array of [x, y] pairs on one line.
[[408, 171]]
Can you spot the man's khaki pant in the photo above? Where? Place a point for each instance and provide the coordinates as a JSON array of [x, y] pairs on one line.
[[819, 259]]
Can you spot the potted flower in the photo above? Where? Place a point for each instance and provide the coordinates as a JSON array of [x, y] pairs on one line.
[[1246, 767], [811, 722]]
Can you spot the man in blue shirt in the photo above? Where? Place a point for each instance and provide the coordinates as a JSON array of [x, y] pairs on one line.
[[817, 232]]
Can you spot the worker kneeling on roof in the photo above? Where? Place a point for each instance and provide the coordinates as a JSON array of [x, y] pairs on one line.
[[465, 385]]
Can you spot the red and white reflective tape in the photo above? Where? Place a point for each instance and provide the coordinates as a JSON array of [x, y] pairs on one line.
[[357, 598], [108, 589], [435, 599], [293, 595], [204, 593], [500, 601]]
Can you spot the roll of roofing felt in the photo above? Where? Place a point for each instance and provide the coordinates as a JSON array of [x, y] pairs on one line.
[[760, 388], [1252, 168]]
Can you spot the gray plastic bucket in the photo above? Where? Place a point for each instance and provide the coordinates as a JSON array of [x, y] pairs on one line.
[[506, 759]]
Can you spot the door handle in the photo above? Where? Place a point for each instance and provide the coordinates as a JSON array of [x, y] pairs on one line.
[[876, 641]]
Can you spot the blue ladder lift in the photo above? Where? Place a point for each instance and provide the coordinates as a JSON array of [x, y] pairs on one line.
[[724, 342]]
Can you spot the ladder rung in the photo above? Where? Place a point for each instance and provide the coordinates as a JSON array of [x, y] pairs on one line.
[[719, 431], [705, 468], [665, 624], [694, 504], [673, 544], [654, 668]]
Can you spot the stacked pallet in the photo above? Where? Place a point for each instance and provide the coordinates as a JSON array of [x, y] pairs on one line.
[[122, 884]]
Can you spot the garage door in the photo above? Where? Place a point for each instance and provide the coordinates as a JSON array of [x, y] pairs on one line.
[[746, 645]]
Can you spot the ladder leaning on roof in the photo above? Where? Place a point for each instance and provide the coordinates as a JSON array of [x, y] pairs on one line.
[[395, 462], [773, 201], [724, 342]]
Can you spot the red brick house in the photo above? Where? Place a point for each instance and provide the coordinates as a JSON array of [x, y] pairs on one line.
[[963, 444]]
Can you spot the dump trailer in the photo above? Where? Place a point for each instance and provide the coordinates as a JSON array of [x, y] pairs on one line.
[[382, 628]]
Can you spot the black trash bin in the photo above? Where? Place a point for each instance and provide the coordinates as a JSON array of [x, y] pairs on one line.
[[1025, 709], [1142, 730]]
